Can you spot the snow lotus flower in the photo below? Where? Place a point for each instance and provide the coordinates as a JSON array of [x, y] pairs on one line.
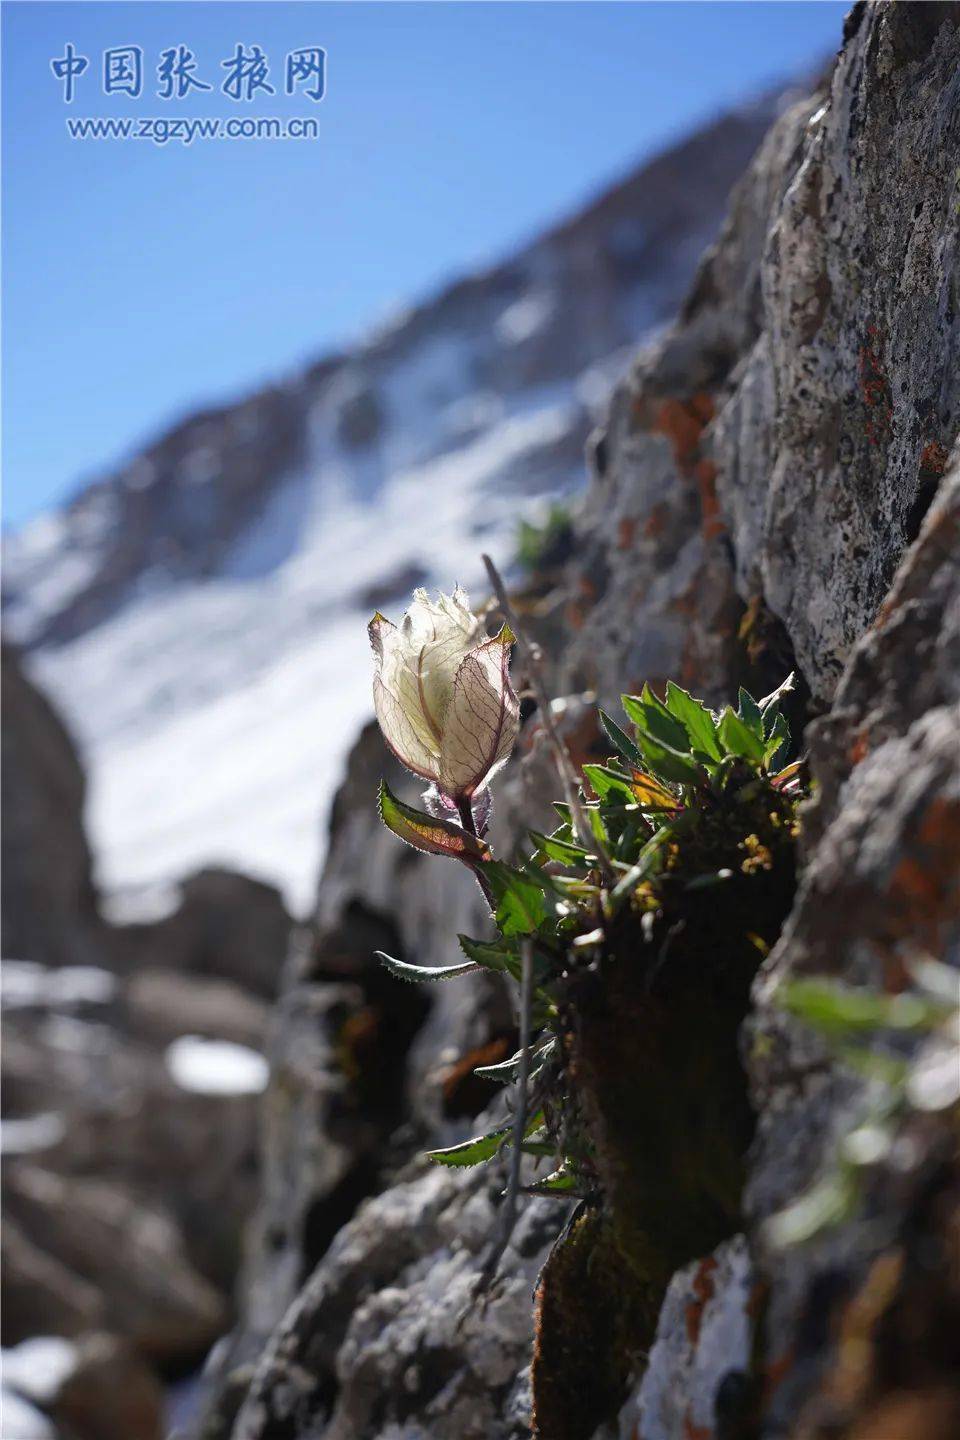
[[442, 694]]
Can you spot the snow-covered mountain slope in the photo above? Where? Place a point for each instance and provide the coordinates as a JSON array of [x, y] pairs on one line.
[[199, 616]]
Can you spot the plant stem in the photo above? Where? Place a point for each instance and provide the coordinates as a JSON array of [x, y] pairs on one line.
[[569, 779], [508, 1215], [465, 811]]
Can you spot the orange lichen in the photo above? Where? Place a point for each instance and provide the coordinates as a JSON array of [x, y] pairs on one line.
[[933, 459], [859, 748], [775, 1372], [705, 473], [626, 530], [875, 389], [692, 1431], [703, 1290]]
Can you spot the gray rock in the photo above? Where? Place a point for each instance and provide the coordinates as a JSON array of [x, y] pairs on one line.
[[49, 910], [387, 1339], [701, 1352], [225, 925]]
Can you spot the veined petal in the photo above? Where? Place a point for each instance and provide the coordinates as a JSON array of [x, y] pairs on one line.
[[482, 720], [396, 700], [435, 637]]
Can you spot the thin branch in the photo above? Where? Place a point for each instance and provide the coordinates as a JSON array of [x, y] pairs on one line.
[[508, 1215], [568, 776]]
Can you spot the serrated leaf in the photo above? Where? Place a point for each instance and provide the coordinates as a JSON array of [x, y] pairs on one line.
[[472, 1152], [483, 1147], [508, 1070], [619, 739], [521, 906], [605, 781], [750, 713], [738, 739], [697, 720], [426, 833], [560, 1182], [651, 716], [496, 955], [417, 973]]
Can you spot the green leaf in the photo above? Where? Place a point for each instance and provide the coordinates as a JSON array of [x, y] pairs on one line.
[[472, 1152], [508, 1070], [560, 1182], [737, 739], [483, 1147], [521, 905], [415, 973], [831, 1006], [563, 851], [619, 739], [646, 863], [651, 716], [777, 742], [604, 781], [491, 955], [697, 720], [750, 713], [597, 826], [425, 832], [668, 764]]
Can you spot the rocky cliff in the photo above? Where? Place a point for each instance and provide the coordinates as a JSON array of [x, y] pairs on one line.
[[772, 488]]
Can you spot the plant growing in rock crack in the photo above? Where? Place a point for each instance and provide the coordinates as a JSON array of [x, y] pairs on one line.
[[693, 809]]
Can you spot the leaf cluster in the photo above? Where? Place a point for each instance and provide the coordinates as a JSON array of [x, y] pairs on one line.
[[677, 767]]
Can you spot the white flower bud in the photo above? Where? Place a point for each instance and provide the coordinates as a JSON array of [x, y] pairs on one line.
[[442, 693]]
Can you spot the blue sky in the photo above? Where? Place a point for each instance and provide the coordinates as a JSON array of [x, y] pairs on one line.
[[140, 281]]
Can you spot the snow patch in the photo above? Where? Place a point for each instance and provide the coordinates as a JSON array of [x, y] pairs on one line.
[[216, 1067], [29, 1135], [37, 1369], [24, 984]]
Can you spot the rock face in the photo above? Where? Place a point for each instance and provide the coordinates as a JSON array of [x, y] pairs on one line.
[[131, 1082], [766, 468]]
